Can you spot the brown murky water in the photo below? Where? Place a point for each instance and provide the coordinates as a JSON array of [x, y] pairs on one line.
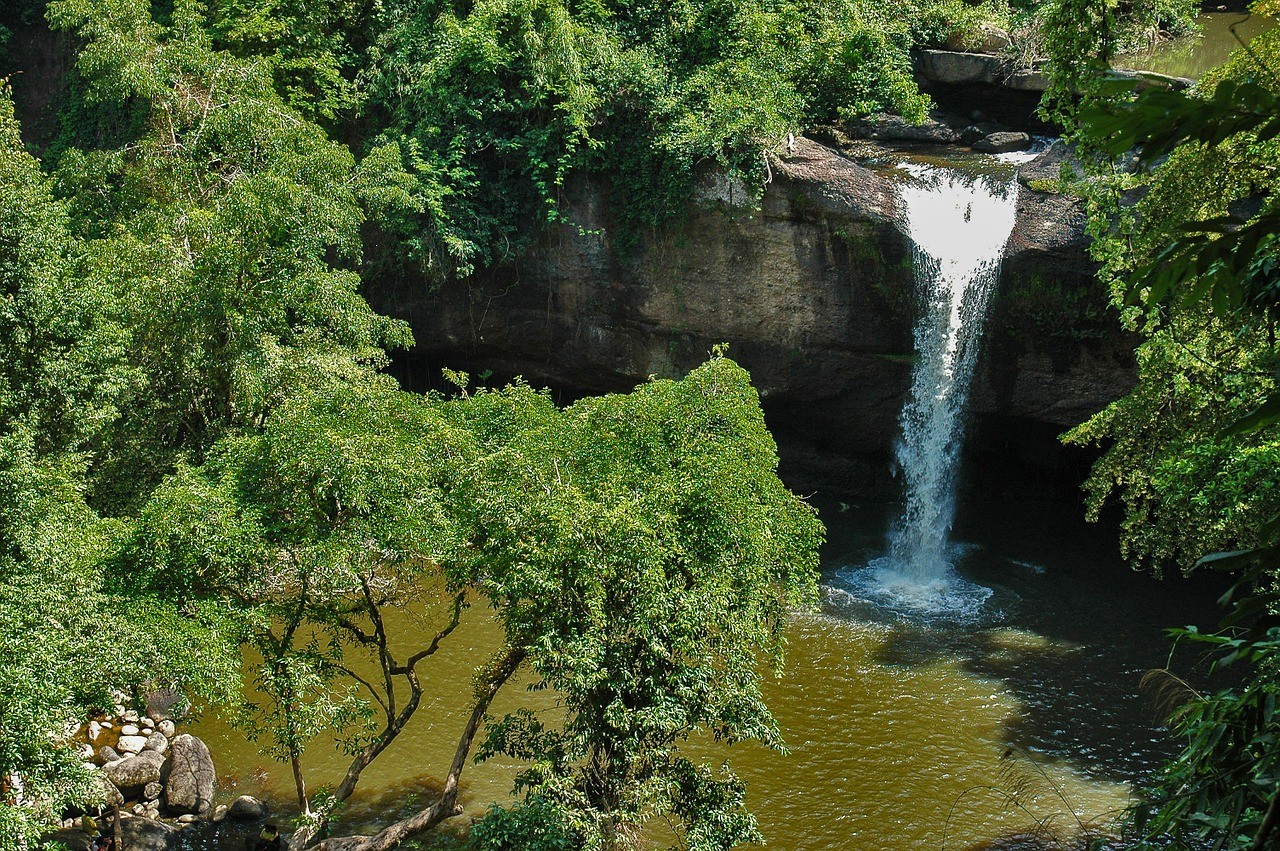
[[903, 734], [1222, 33]]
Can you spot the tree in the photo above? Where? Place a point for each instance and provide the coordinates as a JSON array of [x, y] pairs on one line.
[[67, 637], [1193, 267], [644, 552]]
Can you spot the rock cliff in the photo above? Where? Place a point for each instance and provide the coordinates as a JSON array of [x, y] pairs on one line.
[[813, 289]]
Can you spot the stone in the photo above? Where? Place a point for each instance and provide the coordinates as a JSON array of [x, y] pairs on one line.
[[147, 724], [163, 704], [87, 752], [895, 128], [949, 66], [189, 786], [73, 838], [132, 775], [107, 725], [156, 742], [188, 818], [1048, 165], [130, 730], [131, 744], [220, 814], [104, 791], [152, 791], [981, 130], [1027, 80], [107, 754], [247, 808], [146, 834], [131, 716], [985, 38], [166, 727], [1003, 142], [94, 730]]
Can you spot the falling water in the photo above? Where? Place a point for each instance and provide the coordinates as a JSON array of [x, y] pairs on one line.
[[959, 225]]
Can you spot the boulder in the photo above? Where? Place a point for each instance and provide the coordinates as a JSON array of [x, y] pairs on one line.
[[1003, 142], [134, 773], [247, 808], [895, 128], [131, 744], [190, 783], [981, 130], [104, 791], [985, 38], [1048, 165], [107, 754], [163, 704], [145, 834], [949, 66], [73, 839], [156, 742], [1027, 80]]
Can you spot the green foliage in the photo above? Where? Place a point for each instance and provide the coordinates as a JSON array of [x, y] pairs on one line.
[[644, 551], [504, 99], [1195, 448], [225, 234], [66, 639], [197, 446]]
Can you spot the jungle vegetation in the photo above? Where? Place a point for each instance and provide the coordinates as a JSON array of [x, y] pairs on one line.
[[1188, 244], [201, 452]]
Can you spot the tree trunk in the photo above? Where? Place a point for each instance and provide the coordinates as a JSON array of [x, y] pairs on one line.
[[447, 805], [1268, 822]]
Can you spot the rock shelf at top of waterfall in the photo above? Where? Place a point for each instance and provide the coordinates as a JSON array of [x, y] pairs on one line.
[[959, 225]]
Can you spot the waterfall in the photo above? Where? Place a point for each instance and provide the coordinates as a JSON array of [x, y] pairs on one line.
[[959, 225]]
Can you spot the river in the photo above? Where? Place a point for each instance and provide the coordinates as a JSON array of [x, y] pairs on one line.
[[900, 730]]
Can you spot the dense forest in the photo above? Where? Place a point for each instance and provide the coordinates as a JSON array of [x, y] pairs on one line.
[[209, 482]]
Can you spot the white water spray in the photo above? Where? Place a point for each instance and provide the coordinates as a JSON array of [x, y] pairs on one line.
[[959, 226]]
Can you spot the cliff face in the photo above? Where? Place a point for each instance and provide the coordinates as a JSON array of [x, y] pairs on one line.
[[814, 292]]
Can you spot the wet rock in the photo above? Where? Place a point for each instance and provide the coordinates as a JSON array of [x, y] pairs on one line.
[[981, 130], [219, 814], [134, 773], [107, 754], [189, 786], [156, 742], [247, 808], [895, 128], [188, 818], [131, 744], [948, 66], [1048, 165], [1003, 143], [146, 834]]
